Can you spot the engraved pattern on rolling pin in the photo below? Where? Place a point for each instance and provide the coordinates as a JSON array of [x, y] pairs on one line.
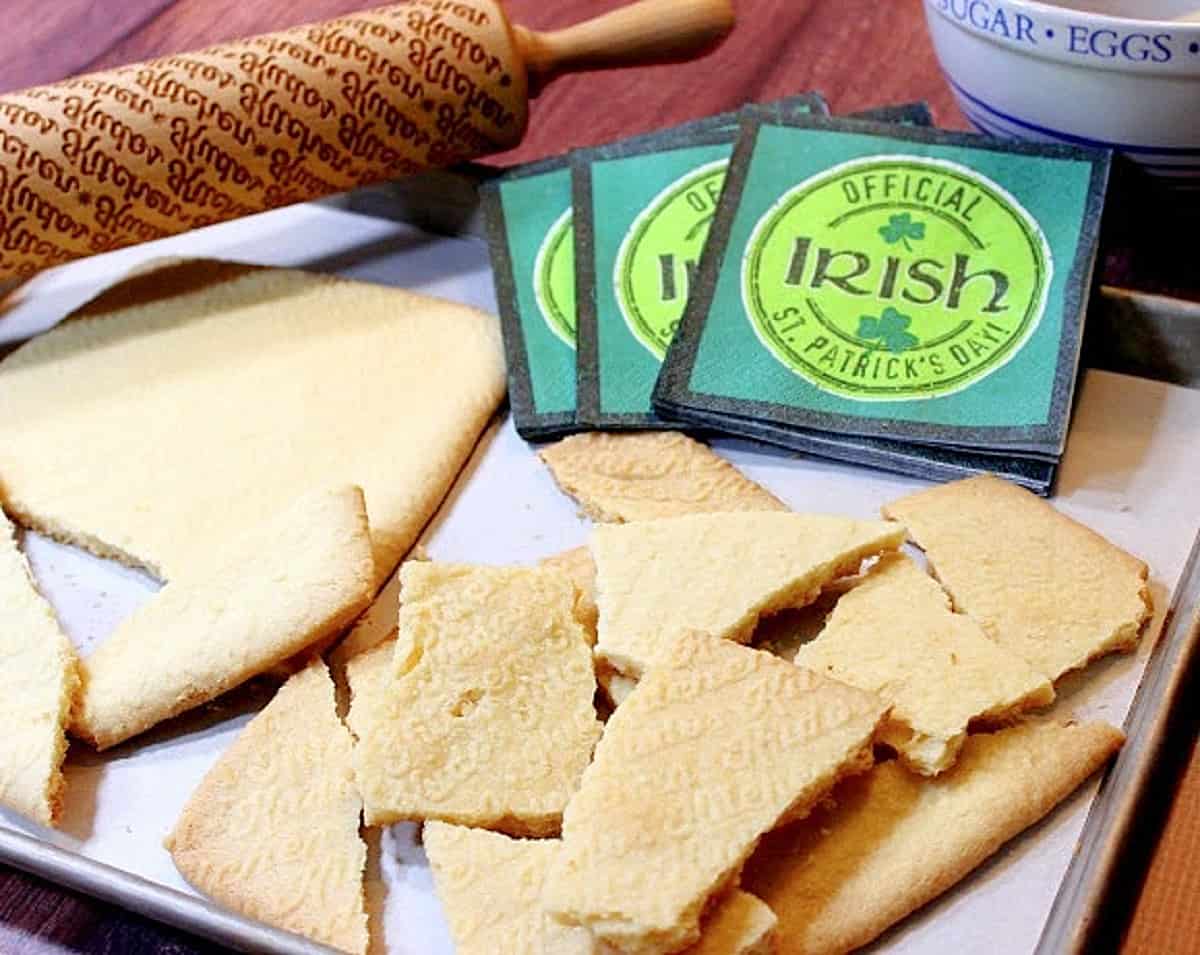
[[111, 159]]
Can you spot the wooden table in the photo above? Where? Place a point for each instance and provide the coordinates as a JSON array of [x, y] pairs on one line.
[[858, 53]]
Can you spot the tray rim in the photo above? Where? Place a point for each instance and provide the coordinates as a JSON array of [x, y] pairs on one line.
[[1083, 906], [192, 913]]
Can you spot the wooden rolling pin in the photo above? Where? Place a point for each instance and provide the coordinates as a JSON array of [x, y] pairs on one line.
[[111, 159]]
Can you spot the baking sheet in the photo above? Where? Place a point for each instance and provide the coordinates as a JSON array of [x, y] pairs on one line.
[[1129, 472]]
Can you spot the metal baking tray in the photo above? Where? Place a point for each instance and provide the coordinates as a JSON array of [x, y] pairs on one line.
[[370, 234]]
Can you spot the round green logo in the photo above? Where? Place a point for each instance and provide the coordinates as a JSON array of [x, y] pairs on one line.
[[659, 255], [554, 278], [895, 278]]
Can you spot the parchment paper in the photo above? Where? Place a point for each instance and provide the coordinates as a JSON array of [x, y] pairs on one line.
[[1130, 472]]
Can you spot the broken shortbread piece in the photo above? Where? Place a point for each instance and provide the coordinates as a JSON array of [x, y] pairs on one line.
[[715, 747], [636, 476], [279, 588], [895, 635], [717, 573], [488, 719], [272, 830], [38, 682], [1041, 585], [490, 887], [890, 841], [199, 398]]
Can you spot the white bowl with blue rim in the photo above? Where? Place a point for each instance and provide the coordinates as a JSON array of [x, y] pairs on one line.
[[1086, 72]]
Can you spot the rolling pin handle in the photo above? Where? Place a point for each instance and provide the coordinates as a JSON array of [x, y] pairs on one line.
[[649, 31]]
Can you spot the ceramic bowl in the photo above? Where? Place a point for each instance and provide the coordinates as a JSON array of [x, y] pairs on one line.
[[1088, 72]]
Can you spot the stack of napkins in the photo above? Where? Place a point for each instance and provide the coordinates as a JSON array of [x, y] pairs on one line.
[[865, 288]]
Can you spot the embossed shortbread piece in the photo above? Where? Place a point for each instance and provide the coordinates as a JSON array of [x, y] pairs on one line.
[[38, 683], [488, 718], [715, 747], [490, 887], [272, 830], [895, 635], [642, 475], [201, 398], [1040, 584], [717, 573], [893, 841], [279, 587]]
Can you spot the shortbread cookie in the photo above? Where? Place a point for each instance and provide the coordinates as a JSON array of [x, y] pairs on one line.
[[717, 573], [578, 565], [489, 718], [490, 887], [893, 841], [202, 398], [272, 830], [38, 683], [280, 587], [740, 924], [895, 635], [1040, 584], [714, 748], [636, 476]]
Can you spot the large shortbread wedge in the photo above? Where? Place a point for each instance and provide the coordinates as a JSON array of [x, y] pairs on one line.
[[637, 476], [490, 887], [38, 683], [894, 841], [715, 747], [488, 718], [280, 587], [717, 573], [201, 398], [1040, 584], [895, 635], [272, 830]]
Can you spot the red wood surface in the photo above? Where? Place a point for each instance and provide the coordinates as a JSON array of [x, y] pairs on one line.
[[858, 53]]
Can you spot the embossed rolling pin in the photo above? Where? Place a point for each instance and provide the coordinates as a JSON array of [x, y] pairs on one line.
[[111, 159]]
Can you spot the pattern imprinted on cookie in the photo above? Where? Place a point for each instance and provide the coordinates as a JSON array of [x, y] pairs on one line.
[[895, 635], [490, 887], [642, 475], [717, 573], [715, 746], [272, 829], [1040, 584], [488, 718]]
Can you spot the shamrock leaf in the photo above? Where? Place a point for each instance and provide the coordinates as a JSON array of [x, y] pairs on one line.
[[901, 228], [890, 330]]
